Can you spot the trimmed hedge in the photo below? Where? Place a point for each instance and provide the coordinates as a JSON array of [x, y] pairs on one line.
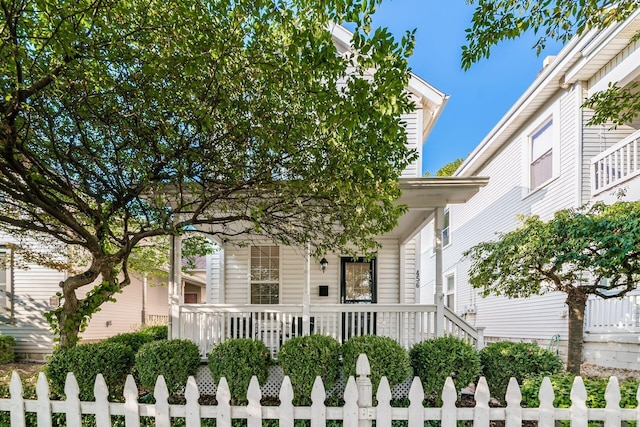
[[174, 359], [135, 340], [238, 359], [7, 342], [503, 360], [113, 360], [304, 358], [386, 358], [157, 332], [436, 359]]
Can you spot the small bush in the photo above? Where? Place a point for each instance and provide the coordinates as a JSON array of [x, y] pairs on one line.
[[113, 360], [386, 358], [304, 358], [237, 360], [157, 332], [503, 360], [562, 384], [435, 360], [135, 340], [7, 343], [176, 360]]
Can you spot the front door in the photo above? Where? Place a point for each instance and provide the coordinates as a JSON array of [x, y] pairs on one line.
[[357, 286]]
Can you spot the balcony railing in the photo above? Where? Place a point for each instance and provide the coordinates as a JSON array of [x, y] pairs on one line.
[[615, 315], [208, 325], [616, 165]]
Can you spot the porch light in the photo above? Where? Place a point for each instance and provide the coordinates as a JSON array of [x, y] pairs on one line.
[[54, 301], [323, 264]]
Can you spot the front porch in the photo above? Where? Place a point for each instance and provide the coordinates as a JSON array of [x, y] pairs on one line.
[[210, 324]]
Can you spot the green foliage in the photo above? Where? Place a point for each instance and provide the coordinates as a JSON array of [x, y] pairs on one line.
[[497, 20], [246, 115], [450, 168], [562, 384], [436, 359], [571, 253], [503, 360], [238, 359], [157, 332], [303, 358], [135, 340], [175, 359], [7, 343], [616, 105], [113, 360], [386, 358]]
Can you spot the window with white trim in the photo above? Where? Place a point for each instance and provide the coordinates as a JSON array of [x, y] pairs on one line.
[[265, 275], [6, 291], [446, 229], [541, 155], [450, 291]]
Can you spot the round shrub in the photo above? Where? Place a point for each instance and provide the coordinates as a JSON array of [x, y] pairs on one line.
[[174, 359], [436, 359], [157, 332], [113, 360], [304, 358], [238, 359], [503, 360], [386, 358], [7, 343], [135, 340]]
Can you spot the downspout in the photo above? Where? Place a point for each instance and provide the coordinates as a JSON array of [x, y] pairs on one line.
[[439, 295], [306, 295]]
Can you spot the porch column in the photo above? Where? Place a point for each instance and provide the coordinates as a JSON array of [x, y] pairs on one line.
[[306, 295], [175, 287], [439, 295]]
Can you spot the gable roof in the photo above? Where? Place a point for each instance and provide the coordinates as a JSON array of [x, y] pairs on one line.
[[580, 59], [429, 99]]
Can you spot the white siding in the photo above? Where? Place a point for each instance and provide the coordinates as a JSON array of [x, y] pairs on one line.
[[495, 209], [414, 142]]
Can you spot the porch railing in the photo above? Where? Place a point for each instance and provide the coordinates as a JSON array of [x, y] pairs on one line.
[[615, 315], [615, 165], [208, 325]]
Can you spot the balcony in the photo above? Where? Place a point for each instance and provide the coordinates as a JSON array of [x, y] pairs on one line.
[[616, 315], [210, 324], [616, 165]]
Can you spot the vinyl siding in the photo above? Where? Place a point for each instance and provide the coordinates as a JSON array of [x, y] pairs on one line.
[[495, 209], [292, 275], [414, 142], [125, 315]]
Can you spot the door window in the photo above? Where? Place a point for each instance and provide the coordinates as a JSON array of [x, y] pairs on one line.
[[358, 280]]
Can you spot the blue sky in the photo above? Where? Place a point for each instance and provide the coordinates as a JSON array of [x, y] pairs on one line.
[[479, 96]]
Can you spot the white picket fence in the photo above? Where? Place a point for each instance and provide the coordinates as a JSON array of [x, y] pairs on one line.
[[357, 411]]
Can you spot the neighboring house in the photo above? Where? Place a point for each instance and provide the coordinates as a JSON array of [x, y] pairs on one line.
[[28, 292], [259, 289], [542, 157]]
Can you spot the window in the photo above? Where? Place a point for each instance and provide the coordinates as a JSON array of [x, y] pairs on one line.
[[446, 233], [265, 275], [450, 291], [541, 167], [6, 291]]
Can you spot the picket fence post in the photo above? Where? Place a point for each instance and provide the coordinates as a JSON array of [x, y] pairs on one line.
[[192, 407], [365, 388], [17, 401], [286, 403], [103, 410], [44, 403], [72, 391], [254, 409]]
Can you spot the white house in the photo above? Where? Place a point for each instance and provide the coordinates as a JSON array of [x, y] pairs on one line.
[[542, 157], [259, 289]]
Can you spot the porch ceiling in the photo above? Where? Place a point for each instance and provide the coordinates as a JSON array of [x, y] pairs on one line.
[[424, 195]]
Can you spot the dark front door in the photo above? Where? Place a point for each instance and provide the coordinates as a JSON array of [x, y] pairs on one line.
[[358, 286]]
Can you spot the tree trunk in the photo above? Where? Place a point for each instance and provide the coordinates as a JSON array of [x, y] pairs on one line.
[[576, 301]]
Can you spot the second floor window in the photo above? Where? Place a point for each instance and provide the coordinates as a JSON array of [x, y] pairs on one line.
[[541, 166], [446, 229], [265, 275]]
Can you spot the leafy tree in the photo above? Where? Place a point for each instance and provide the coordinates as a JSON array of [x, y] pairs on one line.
[[496, 20], [593, 250], [125, 121], [449, 169]]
